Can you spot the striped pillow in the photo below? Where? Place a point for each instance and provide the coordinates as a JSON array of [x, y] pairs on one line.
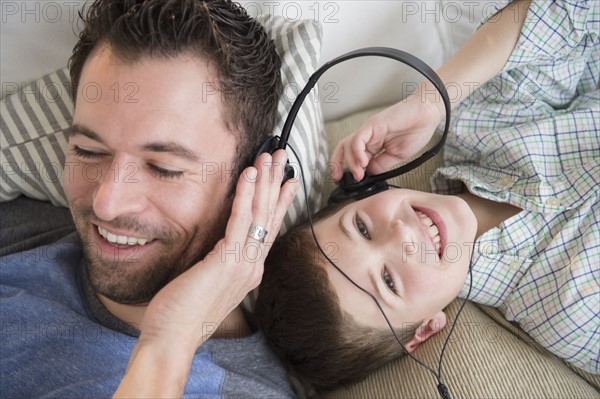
[[36, 119]]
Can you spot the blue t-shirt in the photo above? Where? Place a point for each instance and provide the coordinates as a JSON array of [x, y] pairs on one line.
[[51, 346]]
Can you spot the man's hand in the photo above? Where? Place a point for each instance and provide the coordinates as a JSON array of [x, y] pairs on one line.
[[183, 314]]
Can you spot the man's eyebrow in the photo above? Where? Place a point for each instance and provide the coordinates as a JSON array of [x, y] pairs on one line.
[[343, 228], [171, 147], [159, 146], [84, 131]]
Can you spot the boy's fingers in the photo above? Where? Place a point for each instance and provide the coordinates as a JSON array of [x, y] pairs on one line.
[[353, 155], [337, 158], [359, 145], [382, 163]]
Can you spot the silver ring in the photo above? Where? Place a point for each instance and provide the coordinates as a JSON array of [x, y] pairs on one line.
[[257, 232]]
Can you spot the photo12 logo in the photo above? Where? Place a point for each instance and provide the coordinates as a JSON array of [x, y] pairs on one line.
[[326, 12], [42, 12]]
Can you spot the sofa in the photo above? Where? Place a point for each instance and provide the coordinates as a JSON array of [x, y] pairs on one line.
[[487, 357]]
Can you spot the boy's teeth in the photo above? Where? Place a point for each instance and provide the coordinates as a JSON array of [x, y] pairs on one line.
[[433, 230], [118, 239]]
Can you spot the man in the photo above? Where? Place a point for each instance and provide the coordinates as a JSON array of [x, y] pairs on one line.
[[153, 160]]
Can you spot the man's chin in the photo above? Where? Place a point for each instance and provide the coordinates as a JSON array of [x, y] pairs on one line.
[[129, 284], [132, 294], [112, 294]]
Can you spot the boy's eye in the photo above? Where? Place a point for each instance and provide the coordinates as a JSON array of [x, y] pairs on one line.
[[165, 173], [387, 279], [361, 227]]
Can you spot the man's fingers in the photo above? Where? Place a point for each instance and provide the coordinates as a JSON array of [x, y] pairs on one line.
[[241, 211], [279, 162], [280, 196], [262, 194], [286, 196]]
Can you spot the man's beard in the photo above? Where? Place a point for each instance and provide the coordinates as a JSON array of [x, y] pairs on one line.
[[122, 280]]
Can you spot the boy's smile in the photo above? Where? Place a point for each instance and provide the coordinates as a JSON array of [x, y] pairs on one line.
[[409, 249]]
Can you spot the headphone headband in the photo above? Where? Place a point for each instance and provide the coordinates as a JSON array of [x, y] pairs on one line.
[[348, 187]]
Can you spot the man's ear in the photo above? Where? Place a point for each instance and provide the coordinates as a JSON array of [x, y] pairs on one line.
[[427, 329]]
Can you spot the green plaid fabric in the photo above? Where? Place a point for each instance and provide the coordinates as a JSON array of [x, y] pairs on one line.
[[531, 137]]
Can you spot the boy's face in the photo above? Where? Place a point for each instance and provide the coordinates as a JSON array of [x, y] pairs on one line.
[[411, 250], [146, 171]]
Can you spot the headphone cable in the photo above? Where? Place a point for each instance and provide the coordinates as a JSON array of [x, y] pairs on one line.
[[441, 387]]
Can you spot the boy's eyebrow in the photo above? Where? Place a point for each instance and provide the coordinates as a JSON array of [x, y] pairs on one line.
[[343, 228], [171, 147]]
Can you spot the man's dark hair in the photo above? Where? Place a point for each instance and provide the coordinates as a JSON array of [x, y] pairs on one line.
[[299, 312], [247, 64]]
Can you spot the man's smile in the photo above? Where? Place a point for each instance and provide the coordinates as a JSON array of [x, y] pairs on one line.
[[122, 239]]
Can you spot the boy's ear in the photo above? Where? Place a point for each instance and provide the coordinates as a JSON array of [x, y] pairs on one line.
[[427, 329]]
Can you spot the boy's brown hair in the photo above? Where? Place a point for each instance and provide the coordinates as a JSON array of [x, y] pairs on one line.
[[299, 312]]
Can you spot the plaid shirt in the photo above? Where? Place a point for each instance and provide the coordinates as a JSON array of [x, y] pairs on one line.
[[531, 137]]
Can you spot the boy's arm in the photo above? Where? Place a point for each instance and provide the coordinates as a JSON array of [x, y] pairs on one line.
[[397, 133], [484, 55]]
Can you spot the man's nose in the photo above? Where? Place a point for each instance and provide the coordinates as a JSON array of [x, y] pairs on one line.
[[119, 192]]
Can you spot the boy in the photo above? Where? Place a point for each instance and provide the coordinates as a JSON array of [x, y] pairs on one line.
[[521, 209]]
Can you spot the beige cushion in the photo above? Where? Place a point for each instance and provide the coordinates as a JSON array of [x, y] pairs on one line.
[[487, 357]]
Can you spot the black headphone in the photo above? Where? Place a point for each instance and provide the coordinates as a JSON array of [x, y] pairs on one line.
[[348, 187]]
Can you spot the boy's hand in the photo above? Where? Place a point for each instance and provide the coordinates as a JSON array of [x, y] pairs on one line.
[[388, 138]]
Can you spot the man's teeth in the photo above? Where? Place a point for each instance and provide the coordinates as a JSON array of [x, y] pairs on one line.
[[117, 239], [432, 228]]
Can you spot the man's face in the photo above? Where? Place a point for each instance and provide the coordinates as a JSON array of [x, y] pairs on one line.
[[147, 171]]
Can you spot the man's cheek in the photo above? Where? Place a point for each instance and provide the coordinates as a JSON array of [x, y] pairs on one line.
[[72, 183]]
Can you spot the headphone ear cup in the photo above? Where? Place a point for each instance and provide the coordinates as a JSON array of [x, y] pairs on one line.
[[288, 173], [271, 145], [350, 189]]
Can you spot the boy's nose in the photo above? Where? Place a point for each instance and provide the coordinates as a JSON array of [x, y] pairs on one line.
[[401, 238]]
